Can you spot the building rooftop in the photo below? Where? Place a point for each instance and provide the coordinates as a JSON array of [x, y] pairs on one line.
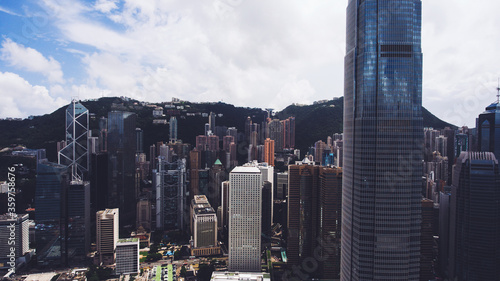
[[246, 169], [8, 217], [128, 240], [204, 211], [200, 199], [242, 276]]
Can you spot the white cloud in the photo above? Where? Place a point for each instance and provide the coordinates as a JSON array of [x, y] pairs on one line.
[[250, 53], [243, 54], [29, 59], [460, 42], [105, 6], [20, 99]]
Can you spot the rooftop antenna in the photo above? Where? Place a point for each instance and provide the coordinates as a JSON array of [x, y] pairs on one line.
[[498, 91]]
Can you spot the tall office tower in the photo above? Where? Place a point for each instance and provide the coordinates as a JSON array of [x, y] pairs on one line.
[[127, 256], [427, 241], [226, 142], [475, 218], [207, 129], [339, 153], [329, 141], [444, 231], [330, 213], [269, 151], [51, 181], [77, 209], [450, 150], [488, 128], [289, 132], [152, 156], [254, 138], [194, 166], [158, 146], [144, 214], [139, 140], [442, 145], [382, 141], [211, 121], [98, 187], [213, 143], [203, 227], [248, 129], [232, 156], [169, 180], [319, 148], [173, 129], [103, 134], [220, 131], [201, 143], [75, 153], [232, 131], [216, 176], [267, 209], [281, 187], [107, 235], [264, 131], [430, 136], [303, 185], [245, 195], [121, 165], [19, 225], [314, 219], [165, 152], [461, 144], [276, 134]]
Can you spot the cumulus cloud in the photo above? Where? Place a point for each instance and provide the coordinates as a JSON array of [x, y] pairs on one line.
[[241, 52], [256, 53], [20, 99], [29, 59]]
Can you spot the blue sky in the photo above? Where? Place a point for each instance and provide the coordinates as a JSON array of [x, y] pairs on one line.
[[250, 53]]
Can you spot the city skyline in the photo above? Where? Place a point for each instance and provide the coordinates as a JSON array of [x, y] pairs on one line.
[[295, 55]]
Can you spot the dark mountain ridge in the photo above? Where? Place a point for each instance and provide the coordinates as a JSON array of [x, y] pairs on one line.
[[313, 122]]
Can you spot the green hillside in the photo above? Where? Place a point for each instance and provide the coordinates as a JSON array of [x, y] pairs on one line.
[[313, 122]]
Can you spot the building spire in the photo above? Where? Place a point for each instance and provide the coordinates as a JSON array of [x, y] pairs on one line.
[[498, 91]]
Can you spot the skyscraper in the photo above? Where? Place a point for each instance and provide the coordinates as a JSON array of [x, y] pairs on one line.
[[245, 195], [121, 165], [169, 180], [474, 238], [276, 134], [75, 153], [107, 235], [51, 183], [488, 128], [127, 256], [269, 151], [173, 129], [139, 143], [381, 198]]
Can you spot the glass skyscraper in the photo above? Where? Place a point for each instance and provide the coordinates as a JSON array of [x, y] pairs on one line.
[[383, 137]]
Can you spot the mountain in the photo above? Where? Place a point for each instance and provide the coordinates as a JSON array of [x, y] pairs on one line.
[[317, 121], [313, 122]]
